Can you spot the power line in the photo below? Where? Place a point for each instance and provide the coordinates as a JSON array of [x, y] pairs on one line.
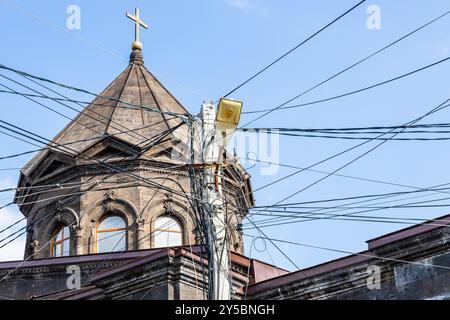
[[156, 140], [40, 104], [283, 253], [310, 214], [166, 178], [284, 107], [335, 174], [79, 104], [74, 121], [89, 42], [298, 215], [68, 143], [184, 117], [41, 96], [294, 48], [107, 123], [367, 255], [339, 136], [347, 129], [352, 66], [377, 195], [102, 163], [361, 219], [436, 109]]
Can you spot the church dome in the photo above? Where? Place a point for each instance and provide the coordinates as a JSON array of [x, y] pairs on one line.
[[121, 164], [133, 110]]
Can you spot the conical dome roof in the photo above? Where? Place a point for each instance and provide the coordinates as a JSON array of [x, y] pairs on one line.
[[134, 108]]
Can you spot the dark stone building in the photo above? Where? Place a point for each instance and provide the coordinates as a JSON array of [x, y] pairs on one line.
[[120, 160], [108, 201], [413, 263]]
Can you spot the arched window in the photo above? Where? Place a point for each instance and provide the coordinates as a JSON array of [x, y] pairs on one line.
[[168, 233], [60, 242], [111, 234]]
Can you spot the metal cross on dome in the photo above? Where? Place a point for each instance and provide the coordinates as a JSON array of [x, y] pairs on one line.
[[137, 24]]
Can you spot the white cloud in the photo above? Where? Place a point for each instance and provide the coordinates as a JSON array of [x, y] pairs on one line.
[[240, 4], [15, 249], [444, 47], [7, 183], [248, 5]]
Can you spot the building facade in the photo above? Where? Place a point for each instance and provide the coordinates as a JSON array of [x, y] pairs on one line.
[[110, 200], [115, 178], [410, 264]]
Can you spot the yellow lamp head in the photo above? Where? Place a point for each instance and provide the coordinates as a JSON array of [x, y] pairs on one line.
[[228, 114]]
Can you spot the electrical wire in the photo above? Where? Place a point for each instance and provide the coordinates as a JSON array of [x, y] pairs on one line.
[[352, 66], [45, 216], [336, 174], [310, 214], [367, 255], [434, 110], [346, 94], [294, 48], [184, 117]]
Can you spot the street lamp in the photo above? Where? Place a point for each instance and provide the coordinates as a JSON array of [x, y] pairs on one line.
[[227, 118]]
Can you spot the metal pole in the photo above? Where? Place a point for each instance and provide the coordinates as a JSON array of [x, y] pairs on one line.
[[219, 279]]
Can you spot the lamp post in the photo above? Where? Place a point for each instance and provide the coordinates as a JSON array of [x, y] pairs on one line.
[[217, 129]]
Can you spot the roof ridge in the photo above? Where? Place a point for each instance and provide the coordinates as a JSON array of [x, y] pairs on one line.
[[154, 98], [166, 90], [131, 66]]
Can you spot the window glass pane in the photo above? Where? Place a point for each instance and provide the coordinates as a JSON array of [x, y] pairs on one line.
[[66, 232], [59, 235], [61, 242], [167, 233], [167, 239], [166, 223], [57, 250], [66, 247], [112, 222], [111, 241], [163, 222]]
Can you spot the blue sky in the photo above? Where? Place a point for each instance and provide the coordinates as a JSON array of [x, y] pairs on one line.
[[202, 49]]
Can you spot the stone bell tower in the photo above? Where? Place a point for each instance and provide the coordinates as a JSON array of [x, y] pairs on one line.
[[109, 180]]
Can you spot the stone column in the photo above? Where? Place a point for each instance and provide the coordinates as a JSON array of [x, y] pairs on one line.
[[35, 247], [140, 234], [78, 237]]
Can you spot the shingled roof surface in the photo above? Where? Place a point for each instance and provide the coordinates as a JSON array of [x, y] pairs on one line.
[[135, 108]]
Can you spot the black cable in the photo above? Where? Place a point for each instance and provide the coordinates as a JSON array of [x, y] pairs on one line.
[[436, 109], [293, 49], [376, 195], [82, 112], [184, 117], [310, 215], [336, 174], [362, 138], [68, 143], [283, 107], [347, 129], [358, 62], [156, 139], [366, 255], [367, 219], [102, 163], [79, 104]]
